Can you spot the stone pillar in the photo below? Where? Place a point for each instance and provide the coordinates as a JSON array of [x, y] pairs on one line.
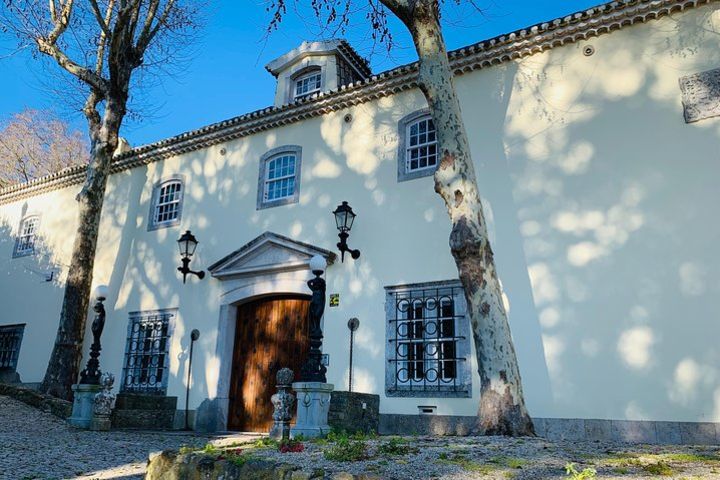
[[83, 401], [313, 404]]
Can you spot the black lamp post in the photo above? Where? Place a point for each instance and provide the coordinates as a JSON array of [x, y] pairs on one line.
[[344, 218], [187, 244], [91, 374], [194, 335]]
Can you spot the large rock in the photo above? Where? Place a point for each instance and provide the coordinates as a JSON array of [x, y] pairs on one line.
[[171, 465]]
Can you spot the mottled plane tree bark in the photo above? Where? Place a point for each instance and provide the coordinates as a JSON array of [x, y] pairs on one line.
[[100, 46], [502, 408]]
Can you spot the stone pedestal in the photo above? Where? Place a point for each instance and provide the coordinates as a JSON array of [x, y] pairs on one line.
[[83, 403], [313, 404]]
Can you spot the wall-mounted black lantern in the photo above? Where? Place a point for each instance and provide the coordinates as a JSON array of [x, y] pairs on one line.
[[344, 218], [187, 244]]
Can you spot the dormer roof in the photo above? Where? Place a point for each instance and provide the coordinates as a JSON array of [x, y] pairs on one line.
[[336, 46]]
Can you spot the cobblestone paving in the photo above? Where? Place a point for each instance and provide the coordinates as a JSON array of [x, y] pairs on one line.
[[37, 445]]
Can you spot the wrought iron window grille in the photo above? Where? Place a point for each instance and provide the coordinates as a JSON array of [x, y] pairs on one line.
[[426, 341], [146, 365], [10, 341]]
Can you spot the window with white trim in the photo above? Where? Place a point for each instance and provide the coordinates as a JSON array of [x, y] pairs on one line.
[[167, 200], [421, 145], [307, 84], [280, 177], [27, 236], [428, 341], [417, 146], [146, 364], [279, 181]]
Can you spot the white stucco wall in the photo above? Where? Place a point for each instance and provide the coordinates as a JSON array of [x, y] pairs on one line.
[[601, 203]]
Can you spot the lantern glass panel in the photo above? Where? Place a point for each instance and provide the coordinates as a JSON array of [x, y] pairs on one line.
[[349, 219], [187, 244], [340, 219], [191, 246]]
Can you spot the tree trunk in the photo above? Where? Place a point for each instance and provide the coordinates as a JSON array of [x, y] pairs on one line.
[[502, 406], [64, 365]]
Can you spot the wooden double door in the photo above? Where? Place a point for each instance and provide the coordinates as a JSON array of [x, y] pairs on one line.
[[270, 334]]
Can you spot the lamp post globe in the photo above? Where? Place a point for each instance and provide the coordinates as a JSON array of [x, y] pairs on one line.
[[100, 293], [318, 264]]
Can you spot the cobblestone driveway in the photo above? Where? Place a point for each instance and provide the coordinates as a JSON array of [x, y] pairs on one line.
[[37, 445]]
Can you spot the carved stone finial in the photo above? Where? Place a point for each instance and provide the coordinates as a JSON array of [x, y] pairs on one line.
[[284, 376], [103, 404], [283, 402]]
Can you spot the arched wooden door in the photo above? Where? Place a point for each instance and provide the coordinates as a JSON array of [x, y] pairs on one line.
[[270, 334]]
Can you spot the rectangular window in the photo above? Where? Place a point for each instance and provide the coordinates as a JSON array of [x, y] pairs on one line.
[[428, 344], [307, 84], [145, 369], [10, 340], [167, 203], [25, 243], [421, 145], [280, 178]]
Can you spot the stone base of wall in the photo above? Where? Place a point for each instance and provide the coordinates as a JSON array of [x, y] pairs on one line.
[[354, 412], [145, 412], [47, 403], [572, 429]]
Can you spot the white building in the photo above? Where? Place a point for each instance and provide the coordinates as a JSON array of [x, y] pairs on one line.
[[595, 138]]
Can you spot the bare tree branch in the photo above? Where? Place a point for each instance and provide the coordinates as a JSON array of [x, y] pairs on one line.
[[103, 22]]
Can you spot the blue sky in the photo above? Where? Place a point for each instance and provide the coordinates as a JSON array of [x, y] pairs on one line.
[[224, 74]]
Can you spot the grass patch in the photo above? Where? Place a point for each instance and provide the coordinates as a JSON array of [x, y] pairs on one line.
[[465, 463], [689, 457], [658, 468], [509, 462]]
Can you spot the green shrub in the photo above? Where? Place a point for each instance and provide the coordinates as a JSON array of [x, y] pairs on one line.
[[266, 442], [210, 449], [396, 446], [345, 450], [583, 475]]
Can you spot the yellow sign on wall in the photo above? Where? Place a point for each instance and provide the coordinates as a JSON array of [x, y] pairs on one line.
[[334, 299]]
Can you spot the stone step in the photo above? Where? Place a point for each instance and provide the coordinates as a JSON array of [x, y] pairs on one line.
[[143, 419], [134, 401]]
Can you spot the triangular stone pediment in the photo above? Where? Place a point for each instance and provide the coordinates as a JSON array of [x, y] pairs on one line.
[[268, 253]]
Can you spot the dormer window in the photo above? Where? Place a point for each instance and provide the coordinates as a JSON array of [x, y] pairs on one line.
[[316, 67], [307, 84]]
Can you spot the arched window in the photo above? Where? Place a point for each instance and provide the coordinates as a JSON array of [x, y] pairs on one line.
[[417, 152], [307, 84], [167, 201], [27, 235], [279, 181]]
